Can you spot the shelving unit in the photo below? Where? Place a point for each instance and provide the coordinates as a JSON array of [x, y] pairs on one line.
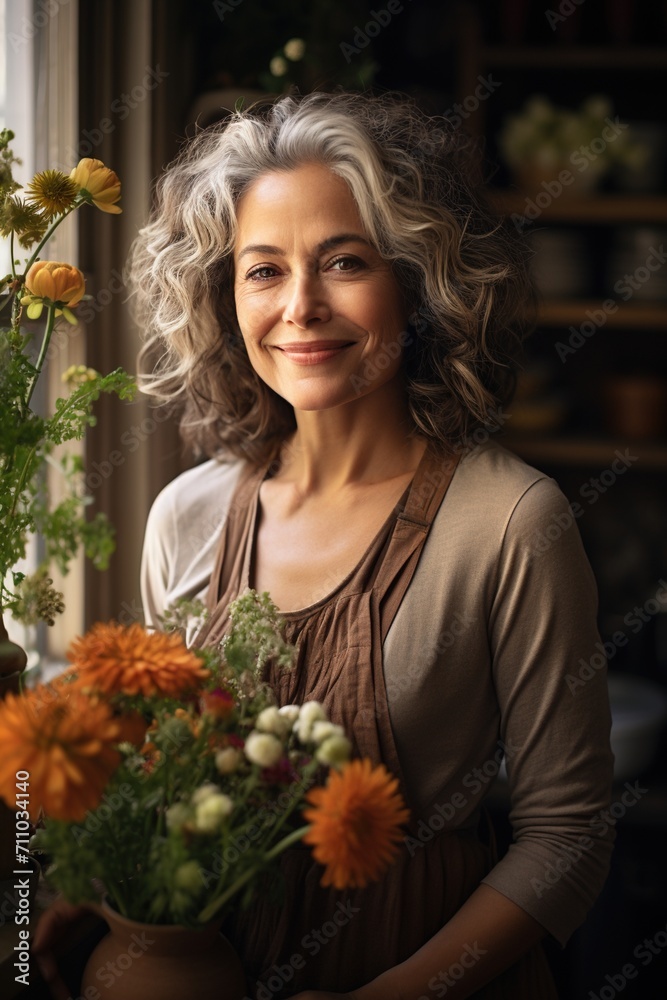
[[584, 452], [598, 209], [554, 317], [579, 57], [623, 528], [638, 315]]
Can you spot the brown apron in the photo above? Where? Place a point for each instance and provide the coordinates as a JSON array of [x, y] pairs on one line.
[[316, 938]]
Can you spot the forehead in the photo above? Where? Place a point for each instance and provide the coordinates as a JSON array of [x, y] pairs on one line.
[[309, 195]]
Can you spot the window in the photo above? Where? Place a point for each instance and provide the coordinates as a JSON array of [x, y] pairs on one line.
[[39, 102]]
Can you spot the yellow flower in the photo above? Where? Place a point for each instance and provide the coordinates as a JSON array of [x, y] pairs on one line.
[[53, 191], [98, 185], [50, 282], [66, 742], [355, 824]]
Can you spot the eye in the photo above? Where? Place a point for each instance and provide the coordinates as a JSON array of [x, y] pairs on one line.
[[345, 264], [261, 273]]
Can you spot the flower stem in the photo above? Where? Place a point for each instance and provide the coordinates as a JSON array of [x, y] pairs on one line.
[[50, 231], [26, 403], [21, 483], [287, 841], [215, 905], [11, 254], [42, 353]]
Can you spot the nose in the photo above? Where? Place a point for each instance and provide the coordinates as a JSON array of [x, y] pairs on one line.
[[306, 301]]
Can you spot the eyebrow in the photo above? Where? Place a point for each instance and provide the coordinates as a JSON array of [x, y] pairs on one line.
[[330, 243]]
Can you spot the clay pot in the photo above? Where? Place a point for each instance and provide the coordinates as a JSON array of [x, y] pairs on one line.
[[138, 961]]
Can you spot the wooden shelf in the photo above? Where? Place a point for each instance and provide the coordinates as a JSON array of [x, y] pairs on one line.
[[566, 57], [637, 315], [592, 452], [598, 209]]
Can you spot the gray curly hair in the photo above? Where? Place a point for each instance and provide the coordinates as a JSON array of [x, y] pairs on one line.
[[463, 272]]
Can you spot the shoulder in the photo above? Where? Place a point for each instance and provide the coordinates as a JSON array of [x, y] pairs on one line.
[[182, 533], [503, 520], [495, 492], [202, 491]]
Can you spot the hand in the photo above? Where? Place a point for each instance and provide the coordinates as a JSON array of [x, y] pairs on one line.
[[53, 926]]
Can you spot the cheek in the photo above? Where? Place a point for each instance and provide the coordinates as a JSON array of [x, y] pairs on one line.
[[252, 323], [257, 356]]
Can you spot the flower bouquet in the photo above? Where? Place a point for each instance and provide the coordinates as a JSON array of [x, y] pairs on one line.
[[28, 439], [172, 777]]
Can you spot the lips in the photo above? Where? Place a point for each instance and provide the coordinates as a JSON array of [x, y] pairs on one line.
[[304, 346], [313, 352]]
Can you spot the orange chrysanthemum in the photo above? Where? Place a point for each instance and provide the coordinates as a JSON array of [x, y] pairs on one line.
[[65, 744], [115, 659], [355, 824]]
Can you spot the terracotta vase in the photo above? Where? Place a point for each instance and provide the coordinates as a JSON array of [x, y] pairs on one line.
[[138, 961], [12, 664]]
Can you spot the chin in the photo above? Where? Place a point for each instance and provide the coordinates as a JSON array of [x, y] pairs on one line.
[[312, 402], [351, 390]]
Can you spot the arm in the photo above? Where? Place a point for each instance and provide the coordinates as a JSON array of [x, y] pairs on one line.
[[485, 936], [544, 635]]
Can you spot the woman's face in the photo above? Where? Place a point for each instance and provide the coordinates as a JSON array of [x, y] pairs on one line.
[[321, 313]]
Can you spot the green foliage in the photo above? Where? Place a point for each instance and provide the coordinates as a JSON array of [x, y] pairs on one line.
[[256, 635], [28, 440], [26, 443], [73, 414]]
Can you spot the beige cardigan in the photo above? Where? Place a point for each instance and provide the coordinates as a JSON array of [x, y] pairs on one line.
[[500, 611]]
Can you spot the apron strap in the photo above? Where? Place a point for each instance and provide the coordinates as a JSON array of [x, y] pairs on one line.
[[231, 550], [405, 544]]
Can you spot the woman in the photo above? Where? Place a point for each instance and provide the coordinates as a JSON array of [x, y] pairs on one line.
[[336, 310]]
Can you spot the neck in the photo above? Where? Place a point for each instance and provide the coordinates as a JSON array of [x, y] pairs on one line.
[[367, 440]]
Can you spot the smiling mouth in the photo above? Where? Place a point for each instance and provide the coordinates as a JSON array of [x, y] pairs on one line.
[[314, 352]]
